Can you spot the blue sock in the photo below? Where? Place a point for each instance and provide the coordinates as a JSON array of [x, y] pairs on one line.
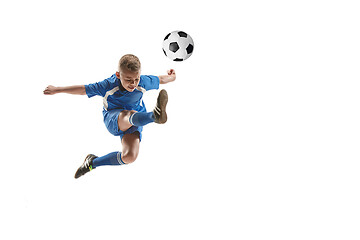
[[141, 118], [113, 158]]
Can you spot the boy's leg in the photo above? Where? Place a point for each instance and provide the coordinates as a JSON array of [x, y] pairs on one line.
[[128, 118], [158, 115], [131, 142], [123, 120], [130, 151], [91, 162], [130, 147]]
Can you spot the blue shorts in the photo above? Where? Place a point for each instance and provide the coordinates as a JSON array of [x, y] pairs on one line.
[[111, 123]]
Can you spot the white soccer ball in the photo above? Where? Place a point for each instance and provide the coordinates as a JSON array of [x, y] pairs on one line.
[[178, 46]]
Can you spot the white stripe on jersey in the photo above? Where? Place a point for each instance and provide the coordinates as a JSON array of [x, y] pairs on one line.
[[107, 94], [141, 89]]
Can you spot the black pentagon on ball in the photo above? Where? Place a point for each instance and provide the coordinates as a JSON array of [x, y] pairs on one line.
[[174, 46], [182, 34], [178, 59], [190, 49]]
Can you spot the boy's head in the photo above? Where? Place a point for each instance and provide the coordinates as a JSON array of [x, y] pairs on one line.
[[129, 69], [130, 63]]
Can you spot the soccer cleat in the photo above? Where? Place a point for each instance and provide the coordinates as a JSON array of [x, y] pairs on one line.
[[159, 110], [86, 166]]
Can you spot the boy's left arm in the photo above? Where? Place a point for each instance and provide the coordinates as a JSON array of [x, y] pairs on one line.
[[168, 78]]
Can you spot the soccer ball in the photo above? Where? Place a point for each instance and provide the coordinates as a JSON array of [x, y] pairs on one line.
[[178, 46]]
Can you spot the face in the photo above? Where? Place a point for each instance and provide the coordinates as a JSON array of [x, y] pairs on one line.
[[129, 80]]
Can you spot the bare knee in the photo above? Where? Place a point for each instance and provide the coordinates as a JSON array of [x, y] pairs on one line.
[[129, 156], [126, 113], [123, 119]]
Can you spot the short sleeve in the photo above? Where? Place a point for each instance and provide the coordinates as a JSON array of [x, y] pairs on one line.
[[98, 88], [149, 82]]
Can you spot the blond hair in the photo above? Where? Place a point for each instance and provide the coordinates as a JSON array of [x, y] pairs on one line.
[[129, 62]]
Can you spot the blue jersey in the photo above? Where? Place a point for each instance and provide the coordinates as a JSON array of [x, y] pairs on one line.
[[116, 97]]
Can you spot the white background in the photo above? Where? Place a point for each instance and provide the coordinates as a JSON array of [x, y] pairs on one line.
[[262, 140]]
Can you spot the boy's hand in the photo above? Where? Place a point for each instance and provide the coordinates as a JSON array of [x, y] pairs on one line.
[[76, 89], [171, 72], [168, 78], [50, 90]]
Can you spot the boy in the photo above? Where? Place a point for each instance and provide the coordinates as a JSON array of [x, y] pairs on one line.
[[124, 110]]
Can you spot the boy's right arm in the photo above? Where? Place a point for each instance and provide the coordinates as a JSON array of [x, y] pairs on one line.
[[77, 89]]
